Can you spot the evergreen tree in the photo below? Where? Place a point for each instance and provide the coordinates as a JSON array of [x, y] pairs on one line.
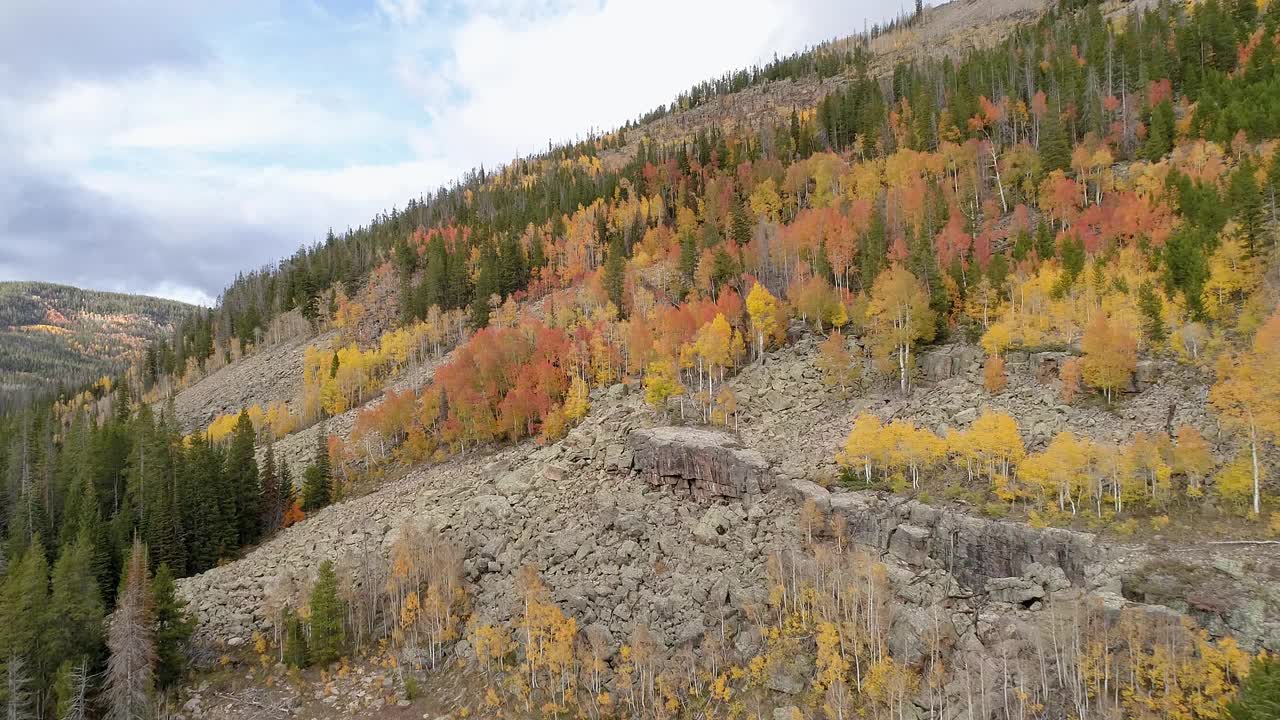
[[272, 505], [242, 475], [317, 488], [165, 536], [287, 490], [688, 257], [1259, 697], [295, 641], [486, 287], [173, 628], [615, 267], [872, 251], [328, 635], [513, 272], [1160, 133], [1152, 308], [75, 605], [1245, 198], [1055, 147], [24, 619]]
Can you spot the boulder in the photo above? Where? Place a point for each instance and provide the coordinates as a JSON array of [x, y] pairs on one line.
[[806, 490], [701, 462]]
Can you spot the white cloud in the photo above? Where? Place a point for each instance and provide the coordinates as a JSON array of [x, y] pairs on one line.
[[203, 163], [174, 291], [508, 84]]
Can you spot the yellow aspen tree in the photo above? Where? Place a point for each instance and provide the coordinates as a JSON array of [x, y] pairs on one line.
[[1247, 395], [865, 444], [1192, 459], [998, 446], [1110, 356], [1061, 470], [997, 338], [714, 351], [898, 316], [661, 382], [1145, 462], [576, 404], [1233, 275]]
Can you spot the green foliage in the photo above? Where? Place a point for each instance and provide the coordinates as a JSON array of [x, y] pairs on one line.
[[328, 635], [317, 483], [1259, 697], [53, 335], [295, 640], [242, 477], [173, 628]]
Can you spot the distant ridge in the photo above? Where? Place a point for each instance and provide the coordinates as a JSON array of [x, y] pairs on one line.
[[52, 335]]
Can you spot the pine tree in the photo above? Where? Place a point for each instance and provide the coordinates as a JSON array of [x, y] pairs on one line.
[[1245, 198], [164, 534], [1259, 697], [287, 490], [328, 635], [24, 618], [688, 258], [76, 606], [272, 507], [317, 490], [295, 641], [173, 629], [1055, 148], [131, 641], [243, 478], [615, 267], [486, 287], [1160, 133], [1153, 326]]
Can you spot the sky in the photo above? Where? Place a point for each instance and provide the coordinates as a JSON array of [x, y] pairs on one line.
[[161, 147]]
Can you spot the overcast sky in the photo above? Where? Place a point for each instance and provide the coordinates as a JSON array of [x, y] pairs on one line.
[[160, 147]]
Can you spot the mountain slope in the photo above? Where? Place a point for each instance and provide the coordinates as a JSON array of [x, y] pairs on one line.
[[51, 334]]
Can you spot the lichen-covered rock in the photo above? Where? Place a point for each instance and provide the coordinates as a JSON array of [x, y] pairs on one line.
[[699, 461]]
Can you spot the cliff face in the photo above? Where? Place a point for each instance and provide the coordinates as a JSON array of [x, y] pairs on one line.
[[700, 462]]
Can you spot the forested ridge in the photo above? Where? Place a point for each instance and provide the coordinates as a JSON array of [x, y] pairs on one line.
[[55, 338], [1100, 183]]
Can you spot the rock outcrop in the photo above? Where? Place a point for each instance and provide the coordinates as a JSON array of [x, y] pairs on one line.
[[973, 549], [700, 462]]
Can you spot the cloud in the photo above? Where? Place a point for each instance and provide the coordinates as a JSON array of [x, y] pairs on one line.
[[510, 81], [50, 40], [151, 146]]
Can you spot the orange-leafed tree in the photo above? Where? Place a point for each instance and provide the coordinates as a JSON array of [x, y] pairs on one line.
[[1069, 375], [836, 364], [993, 375]]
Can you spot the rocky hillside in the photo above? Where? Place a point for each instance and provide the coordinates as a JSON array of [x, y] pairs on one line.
[[677, 530], [55, 334]]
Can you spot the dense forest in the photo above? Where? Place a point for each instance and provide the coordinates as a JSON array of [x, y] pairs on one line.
[[1107, 184], [55, 338]]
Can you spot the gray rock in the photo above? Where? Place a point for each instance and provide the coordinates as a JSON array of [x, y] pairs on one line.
[[807, 490], [700, 462]]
